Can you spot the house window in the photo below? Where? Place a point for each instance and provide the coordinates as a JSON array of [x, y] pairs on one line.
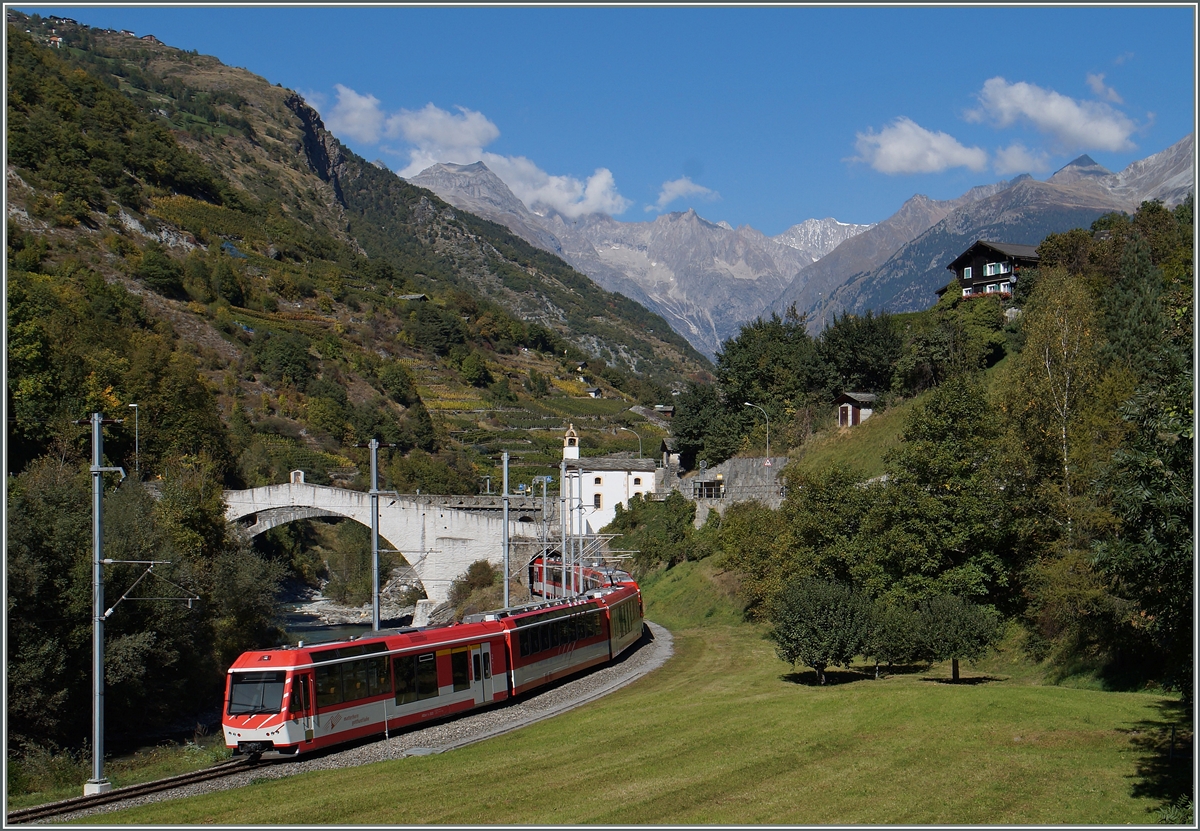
[[597, 480], [967, 273], [993, 269], [993, 287], [1006, 287], [637, 480], [967, 292], [596, 501]]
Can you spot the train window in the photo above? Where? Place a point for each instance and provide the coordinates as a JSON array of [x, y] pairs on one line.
[[544, 635], [255, 692], [299, 701], [354, 681], [478, 674], [459, 671], [523, 640], [427, 680], [405, 670], [329, 685], [416, 677], [487, 665], [378, 679]]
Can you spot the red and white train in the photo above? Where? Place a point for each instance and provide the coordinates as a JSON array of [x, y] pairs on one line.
[[292, 700]]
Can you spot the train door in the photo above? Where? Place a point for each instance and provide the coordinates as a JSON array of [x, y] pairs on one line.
[[304, 705], [481, 666]]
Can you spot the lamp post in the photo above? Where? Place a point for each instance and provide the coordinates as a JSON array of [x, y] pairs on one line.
[[768, 421], [639, 438], [137, 455]]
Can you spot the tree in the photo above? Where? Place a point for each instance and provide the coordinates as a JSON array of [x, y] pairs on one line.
[[1058, 367], [474, 370], [1133, 316], [862, 351], [660, 532], [1150, 557], [940, 524], [160, 272], [819, 623], [953, 629], [775, 362], [893, 636]]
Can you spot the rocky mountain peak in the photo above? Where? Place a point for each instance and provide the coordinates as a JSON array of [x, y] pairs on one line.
[[1084, 167]]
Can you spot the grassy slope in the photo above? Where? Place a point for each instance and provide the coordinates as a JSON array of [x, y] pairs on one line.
[[860, 447], [726, 733]]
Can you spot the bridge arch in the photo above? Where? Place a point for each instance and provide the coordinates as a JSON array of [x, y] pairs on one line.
[[438, 536]]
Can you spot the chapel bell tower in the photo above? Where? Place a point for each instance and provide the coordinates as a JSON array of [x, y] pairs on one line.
[[571, 443]]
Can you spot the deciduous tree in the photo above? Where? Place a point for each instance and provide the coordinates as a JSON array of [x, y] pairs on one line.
[[819, 623]]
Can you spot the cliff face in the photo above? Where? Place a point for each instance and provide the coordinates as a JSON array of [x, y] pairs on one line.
[[321, 150]]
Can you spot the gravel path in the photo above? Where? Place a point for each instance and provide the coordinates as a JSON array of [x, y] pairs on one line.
[[651, 652]]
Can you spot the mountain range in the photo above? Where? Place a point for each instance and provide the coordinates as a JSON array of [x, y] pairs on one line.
[[708, 278]]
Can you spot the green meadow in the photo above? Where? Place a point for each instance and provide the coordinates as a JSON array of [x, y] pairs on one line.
[[726, 733]]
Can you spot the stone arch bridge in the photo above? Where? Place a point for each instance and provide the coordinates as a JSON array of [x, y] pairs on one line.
[[439, 536]]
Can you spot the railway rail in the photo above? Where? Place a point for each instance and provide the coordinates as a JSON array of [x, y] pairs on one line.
[[83, 803]]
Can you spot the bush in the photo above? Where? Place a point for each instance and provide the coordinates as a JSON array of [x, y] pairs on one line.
[[951, 628], [819, 623], [893, 637]]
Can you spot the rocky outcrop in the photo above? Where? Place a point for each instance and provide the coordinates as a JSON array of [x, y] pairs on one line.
[[321, 150]]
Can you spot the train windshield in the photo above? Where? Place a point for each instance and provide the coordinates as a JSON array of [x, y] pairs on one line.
[[252, 693]]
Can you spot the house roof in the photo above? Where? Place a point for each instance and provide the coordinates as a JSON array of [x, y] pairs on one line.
[[616, 463], [1007, 249], [857, 397]]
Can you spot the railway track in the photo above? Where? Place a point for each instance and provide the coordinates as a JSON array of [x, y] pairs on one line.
[[80, 803]]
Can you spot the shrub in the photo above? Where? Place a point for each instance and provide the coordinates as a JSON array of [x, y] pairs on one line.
[[819, 623]]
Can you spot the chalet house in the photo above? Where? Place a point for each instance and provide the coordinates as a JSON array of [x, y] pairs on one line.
[[854, 408], [594, 392], [991, 267]]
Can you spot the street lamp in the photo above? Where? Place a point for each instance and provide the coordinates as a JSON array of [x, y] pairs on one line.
[[768, 420], [137, 467], [627, 430]]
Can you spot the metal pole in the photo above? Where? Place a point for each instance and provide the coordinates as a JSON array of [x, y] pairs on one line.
[[639, 438], [137, 453], [505, 501], [562, 519], [374, 445], [577, 537], [97, 784]]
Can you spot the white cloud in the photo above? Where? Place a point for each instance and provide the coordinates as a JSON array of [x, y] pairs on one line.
[[678, 189], [1096, 82], [564, 194], [434, 135], [1017, 158], [357, 116], [906, 147], [441, 136], [1073, 125]]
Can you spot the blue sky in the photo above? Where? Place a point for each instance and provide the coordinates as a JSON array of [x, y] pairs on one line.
[[764, 116]]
